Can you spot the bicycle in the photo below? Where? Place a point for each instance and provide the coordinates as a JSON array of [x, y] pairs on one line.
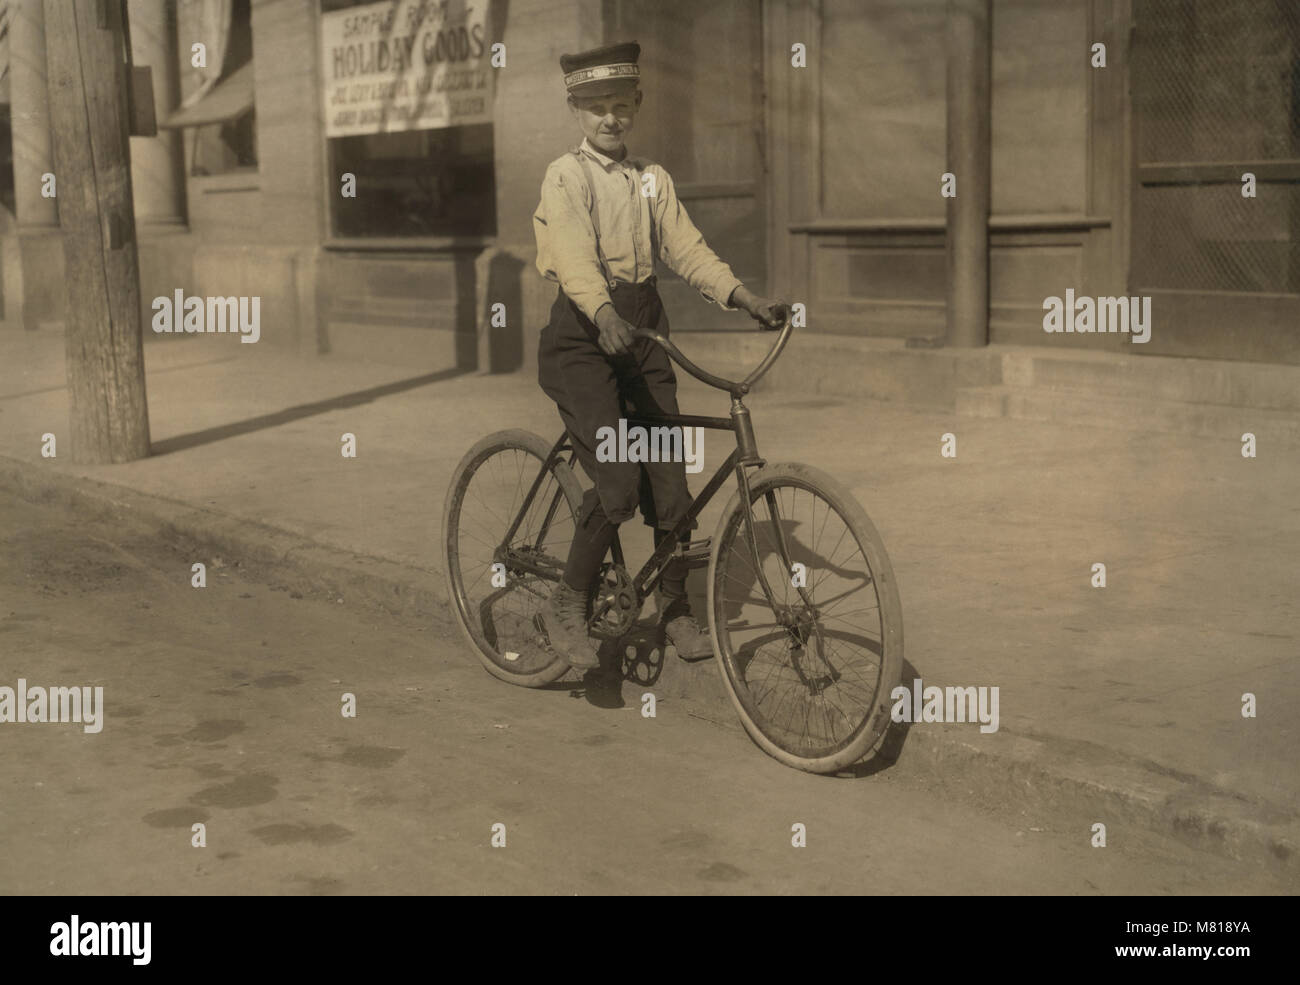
[[779, 647]]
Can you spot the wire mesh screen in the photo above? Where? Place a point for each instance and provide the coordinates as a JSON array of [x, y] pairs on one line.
[[1216, 94]]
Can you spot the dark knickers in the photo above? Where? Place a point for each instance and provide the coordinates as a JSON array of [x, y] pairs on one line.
[[593, 390]]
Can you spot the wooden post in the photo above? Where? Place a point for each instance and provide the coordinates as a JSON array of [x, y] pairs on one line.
[[969, 159], [87, 70]]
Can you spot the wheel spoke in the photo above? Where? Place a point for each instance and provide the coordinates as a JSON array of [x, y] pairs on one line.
[[811, 690], [487, 498]]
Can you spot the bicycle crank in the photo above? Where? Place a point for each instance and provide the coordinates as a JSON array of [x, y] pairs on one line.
[[615, 604]]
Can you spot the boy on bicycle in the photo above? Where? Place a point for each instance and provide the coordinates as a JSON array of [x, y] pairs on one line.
[[604, 220]]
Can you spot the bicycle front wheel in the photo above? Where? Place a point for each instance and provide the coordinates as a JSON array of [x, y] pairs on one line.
[[811, 677], [496, 601]]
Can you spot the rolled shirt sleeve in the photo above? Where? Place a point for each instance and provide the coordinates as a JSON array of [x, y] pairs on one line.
[[566, 240], [683, 249]]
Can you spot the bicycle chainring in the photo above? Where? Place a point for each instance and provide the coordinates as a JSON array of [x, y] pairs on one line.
[[615, 604]]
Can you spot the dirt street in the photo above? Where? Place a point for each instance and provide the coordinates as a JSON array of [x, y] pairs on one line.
[[222, 706]]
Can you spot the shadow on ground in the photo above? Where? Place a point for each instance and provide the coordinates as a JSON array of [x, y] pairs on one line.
[[220, 433]]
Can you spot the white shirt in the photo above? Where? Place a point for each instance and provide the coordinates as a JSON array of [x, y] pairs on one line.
[[567, 237]]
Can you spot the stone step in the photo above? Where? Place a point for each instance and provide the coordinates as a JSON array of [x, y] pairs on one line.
[[405, 312], [929, 379], [1091, 408], [868, 369], [1199, 381]]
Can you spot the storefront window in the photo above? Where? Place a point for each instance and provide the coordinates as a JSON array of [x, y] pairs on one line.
[[407, 97], [220, 148], [418, 183], [221, 126], [1216, 94]]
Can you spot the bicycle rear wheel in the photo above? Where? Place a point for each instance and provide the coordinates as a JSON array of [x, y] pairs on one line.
[[496, 606], [812, 682]]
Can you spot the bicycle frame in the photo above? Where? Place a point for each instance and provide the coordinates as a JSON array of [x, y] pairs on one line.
[[743, 457]]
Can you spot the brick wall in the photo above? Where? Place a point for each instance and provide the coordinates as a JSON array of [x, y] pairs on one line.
[[259, 233], [533, 127]]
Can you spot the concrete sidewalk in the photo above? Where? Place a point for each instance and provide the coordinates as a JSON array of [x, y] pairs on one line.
[[1120, 705]]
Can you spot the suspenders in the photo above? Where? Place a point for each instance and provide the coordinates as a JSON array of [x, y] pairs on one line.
[[595, 215], [595, 221]]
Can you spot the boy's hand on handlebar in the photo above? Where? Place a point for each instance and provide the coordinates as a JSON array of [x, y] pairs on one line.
[[768, 312], [615, 333]]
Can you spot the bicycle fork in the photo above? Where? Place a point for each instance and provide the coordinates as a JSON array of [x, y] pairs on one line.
[[797, 625], [749, 458]]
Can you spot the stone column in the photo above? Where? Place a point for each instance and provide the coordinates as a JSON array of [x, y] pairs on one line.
[[31, 115], [165, 248], [33, 292], [969, 159], [157, 169]]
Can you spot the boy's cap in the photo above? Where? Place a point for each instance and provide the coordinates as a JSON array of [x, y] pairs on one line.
[[601, 69]]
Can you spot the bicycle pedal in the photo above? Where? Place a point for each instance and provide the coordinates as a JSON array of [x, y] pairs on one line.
[[696, 553]]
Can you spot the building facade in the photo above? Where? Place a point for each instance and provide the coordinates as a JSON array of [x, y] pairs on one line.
[[370, 170]]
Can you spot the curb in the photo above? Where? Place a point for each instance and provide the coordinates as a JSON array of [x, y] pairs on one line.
[[1073, 783], [1065, 785], [1076, 784], [299, 562]]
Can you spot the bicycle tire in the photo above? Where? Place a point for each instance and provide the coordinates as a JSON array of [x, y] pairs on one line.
[[872, 719], [508, 645]]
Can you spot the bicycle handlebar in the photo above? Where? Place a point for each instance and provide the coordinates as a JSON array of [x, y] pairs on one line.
[[735, 388]]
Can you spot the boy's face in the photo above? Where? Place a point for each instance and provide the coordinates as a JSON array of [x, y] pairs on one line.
[[607, 117]]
